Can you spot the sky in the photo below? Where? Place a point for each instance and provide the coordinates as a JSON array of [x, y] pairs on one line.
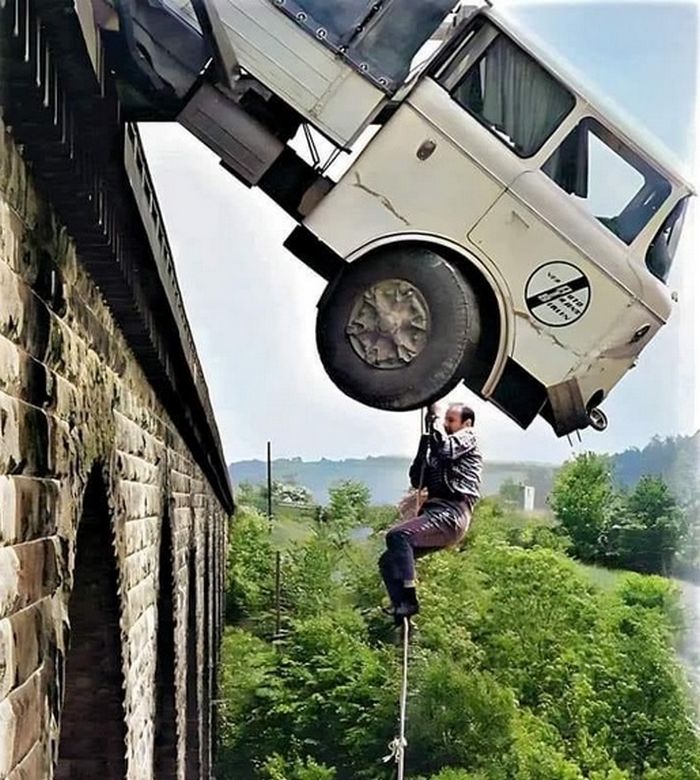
[[252, 306]]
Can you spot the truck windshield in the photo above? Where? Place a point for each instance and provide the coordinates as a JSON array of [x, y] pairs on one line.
[[506, 90], [608, 179], [663, 248]]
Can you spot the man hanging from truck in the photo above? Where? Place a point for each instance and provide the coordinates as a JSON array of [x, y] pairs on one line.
[[448, 466]]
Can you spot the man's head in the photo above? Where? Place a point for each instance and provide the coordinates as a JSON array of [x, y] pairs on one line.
[[458, 416]]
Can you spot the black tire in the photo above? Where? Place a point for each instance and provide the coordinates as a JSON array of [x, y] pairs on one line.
[[452, 339]]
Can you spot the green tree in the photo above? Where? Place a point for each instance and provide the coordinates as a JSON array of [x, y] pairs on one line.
[[651, 531], [333, 699], [380, 518], [653, 506], [276, 767], [585, 502], [251, 496], [459, 717], [347, 508], [246, 670], [510, 494], [311, 583], [522, 668], [250, 570]]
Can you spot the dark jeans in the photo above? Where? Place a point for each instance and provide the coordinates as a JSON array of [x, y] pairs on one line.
[[440, 524]]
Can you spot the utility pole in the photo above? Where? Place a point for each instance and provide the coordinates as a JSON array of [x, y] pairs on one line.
[[278, 554], [278, 594], [269, 485]]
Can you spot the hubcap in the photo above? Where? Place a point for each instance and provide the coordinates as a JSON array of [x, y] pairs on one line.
[[389, 324]]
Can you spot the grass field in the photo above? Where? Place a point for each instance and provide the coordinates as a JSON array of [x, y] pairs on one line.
[[287, 531]]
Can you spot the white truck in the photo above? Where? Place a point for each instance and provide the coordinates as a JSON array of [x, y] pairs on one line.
[[501, 228]]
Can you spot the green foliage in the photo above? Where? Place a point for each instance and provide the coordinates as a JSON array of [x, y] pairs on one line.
[[380, 518], [676, 460], [510, 493], [653, 593], [251, 496], [245, 672], [584, 501], [333, 698], [459, 717], [526, 666], [652, 528], [347, 508], [643, 531], [310, 585], [278, 768], [492, 522], [250, 571]]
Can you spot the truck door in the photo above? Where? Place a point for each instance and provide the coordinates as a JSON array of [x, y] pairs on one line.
[[464, 133], [561, 237]]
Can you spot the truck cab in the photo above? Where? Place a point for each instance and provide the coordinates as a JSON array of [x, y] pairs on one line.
[[502, 227]]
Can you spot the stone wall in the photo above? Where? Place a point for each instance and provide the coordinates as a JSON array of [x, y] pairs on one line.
[[111, 540]]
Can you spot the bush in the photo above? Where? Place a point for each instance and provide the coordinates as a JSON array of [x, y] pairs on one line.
[[278, 768], [459, 717], [251, 567], [521, 668], [246, 673]]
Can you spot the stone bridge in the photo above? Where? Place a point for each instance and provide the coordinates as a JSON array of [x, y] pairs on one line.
[[114, 496]]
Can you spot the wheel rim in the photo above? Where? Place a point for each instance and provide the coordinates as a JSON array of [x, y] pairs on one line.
[[598, 419], [389, 324]]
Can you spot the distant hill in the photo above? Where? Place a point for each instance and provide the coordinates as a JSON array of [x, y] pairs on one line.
[[675, 459], [386, 476]]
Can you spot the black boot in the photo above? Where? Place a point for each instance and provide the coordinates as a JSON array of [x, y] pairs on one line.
[[394, 587], [407, 607]]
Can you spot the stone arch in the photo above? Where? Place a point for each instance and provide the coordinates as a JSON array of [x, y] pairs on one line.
[[93, 729], [165, 747], [207, 668], [193, 761]]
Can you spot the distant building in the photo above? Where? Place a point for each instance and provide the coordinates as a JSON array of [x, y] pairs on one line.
[[528, 498]]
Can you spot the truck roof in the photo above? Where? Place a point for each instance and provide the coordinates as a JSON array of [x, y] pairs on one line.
[[609, 113]]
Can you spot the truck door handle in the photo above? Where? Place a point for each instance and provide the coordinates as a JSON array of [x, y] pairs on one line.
[[426, 149]]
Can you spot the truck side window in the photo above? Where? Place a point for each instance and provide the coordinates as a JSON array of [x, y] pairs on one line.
[[185, 10], [663, 248], [606, 177], [510, 93]]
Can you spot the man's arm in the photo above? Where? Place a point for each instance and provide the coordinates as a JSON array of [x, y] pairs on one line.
[[416, 472], [451, 446]]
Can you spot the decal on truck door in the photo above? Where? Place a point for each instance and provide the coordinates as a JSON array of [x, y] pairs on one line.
[[557, 294]]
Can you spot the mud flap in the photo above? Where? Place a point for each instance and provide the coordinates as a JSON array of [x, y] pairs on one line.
[[567, 409]]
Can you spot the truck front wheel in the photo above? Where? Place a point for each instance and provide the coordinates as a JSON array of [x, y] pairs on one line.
[[398, 328]]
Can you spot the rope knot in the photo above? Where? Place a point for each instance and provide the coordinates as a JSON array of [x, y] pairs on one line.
[[397, 746]]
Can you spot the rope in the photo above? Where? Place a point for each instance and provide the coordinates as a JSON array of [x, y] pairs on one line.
[[424, 428], [397, 746]]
